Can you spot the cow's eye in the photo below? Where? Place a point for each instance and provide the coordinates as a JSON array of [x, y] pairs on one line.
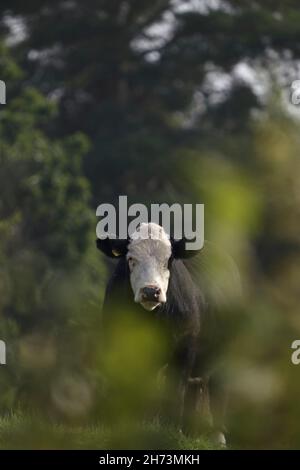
[[131, 263]]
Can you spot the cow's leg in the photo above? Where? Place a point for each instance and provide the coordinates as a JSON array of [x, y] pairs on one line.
[[179, 371], [218, 403], [198, 416], [193, 406]]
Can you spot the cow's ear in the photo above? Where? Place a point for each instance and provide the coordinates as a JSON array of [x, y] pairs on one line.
[[114, 248], [179, 250]]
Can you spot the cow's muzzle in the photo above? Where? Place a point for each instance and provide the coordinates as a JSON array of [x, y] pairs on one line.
[[150, 294]]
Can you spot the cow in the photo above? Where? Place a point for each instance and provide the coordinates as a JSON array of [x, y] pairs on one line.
[[154, 273]]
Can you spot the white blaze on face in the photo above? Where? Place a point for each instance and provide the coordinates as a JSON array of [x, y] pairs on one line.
[[148, 255]]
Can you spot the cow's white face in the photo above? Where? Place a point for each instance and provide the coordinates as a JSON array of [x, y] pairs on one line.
[[148, 256]]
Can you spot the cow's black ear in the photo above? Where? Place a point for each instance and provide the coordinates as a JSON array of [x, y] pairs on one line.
[[114, 248], [179, 250]]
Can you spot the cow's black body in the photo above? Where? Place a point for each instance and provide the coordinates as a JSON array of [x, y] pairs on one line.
[[189, 321]]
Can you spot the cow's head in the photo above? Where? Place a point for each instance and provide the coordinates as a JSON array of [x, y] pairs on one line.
[[149, 254]]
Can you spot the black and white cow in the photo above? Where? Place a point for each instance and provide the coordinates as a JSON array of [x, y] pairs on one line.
[[153, 274]]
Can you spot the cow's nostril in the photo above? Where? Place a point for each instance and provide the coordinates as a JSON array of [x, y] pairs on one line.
[[151, 293], [157, 292]]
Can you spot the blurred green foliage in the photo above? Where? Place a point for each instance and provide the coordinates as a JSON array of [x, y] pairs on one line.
[[99, 104], [49, 279]]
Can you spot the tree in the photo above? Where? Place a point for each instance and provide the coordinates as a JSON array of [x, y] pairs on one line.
[[46, 238], [126, 72]]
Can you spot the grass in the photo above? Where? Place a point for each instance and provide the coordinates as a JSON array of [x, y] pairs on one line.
[[19, 431]]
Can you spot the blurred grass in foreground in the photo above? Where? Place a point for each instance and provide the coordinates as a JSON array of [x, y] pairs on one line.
[[20, 431]]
